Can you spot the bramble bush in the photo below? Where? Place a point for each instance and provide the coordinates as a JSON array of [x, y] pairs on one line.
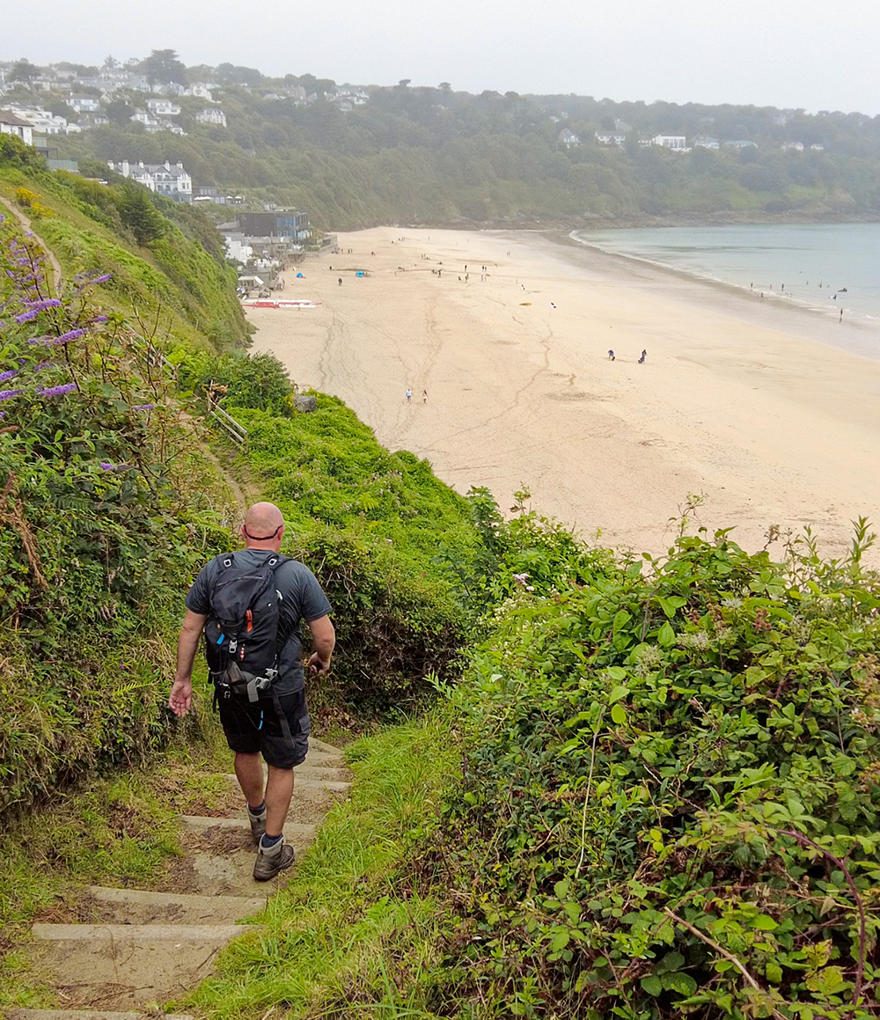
[[671, 792]]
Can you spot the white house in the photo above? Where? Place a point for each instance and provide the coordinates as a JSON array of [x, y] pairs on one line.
[[605, 138], [163, 107], [678, 143], [211, 116], [200, 90], [11, 124], [567, 138], [706, 142], [84, 104], [147, 119], [43, 122], [168, 179]]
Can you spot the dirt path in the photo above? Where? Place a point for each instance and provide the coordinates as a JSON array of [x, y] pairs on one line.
[[25, 221], [118, 953]]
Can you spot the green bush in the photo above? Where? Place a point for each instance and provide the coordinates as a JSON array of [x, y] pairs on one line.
[[255, 381], [671, 794]]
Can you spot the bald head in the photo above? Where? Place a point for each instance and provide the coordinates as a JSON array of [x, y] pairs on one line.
[[263, 527]]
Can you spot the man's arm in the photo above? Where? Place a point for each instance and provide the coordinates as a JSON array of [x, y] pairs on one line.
[[323, 641], [180, 698]]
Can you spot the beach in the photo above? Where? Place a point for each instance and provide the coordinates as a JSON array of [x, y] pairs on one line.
[[765, 411]]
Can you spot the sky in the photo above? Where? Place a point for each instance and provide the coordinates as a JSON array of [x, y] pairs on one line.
[[785, 53]]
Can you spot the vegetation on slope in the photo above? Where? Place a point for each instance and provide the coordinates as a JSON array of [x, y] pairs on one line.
[[654, 793], [166, 264], [435, 155]]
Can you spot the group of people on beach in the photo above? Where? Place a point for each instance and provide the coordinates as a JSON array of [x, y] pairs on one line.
[[643, 357]]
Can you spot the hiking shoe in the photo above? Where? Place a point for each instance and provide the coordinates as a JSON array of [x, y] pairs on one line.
[[272, 861], [258, 824]]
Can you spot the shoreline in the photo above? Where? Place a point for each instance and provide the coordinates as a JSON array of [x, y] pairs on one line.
[[754, 405], [858, 333]]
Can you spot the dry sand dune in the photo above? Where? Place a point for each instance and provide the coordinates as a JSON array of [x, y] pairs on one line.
[[756, 405]]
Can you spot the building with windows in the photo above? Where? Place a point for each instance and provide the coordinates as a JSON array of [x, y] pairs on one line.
[[12, 124], [168, 179]]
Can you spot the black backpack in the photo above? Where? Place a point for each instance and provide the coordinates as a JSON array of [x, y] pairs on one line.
[[242, 631]]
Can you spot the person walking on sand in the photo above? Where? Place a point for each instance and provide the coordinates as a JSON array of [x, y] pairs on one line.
[[408, 394], [250, 605], [643, 357], [610, 354], [424, 396]]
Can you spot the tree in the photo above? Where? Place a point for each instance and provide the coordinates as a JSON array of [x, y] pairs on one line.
[[118, 111], [162, 67], [139, 215], [23, 70], [404, 82]]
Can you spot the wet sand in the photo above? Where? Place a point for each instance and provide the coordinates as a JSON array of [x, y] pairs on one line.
[[764, 409]]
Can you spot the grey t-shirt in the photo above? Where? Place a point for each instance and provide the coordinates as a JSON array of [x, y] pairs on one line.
[[301, 599]]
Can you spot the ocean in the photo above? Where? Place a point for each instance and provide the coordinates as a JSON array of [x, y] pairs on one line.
[[823, 266]]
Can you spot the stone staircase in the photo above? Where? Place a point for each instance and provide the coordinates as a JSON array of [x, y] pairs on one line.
[[130, 950]]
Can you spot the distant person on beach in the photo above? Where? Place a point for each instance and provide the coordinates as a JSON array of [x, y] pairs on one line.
[[841, 316], [610, 355], [424, 396], [339, 281], [408, 394], [643, 357]]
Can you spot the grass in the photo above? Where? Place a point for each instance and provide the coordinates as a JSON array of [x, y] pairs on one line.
[[120, 830], [344, 939]]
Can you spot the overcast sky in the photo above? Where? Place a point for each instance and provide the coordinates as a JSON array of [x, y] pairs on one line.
[[787, 53]]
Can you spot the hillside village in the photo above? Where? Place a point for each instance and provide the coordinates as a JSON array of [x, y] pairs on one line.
[[64, 99]]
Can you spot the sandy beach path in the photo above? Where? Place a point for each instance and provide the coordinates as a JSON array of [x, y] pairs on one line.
[[741, 403]]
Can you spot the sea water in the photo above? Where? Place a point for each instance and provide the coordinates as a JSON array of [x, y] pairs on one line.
[[825, 266]]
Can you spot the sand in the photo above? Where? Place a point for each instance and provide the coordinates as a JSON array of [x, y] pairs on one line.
[[756, 406]]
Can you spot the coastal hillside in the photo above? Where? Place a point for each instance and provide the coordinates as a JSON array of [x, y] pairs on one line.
[[360, 155], [589, 782]]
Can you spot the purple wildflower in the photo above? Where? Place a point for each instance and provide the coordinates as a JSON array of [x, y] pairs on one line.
[[8, 375], [107, 466], [135, 407], [26, 316], [57, 391], [58, 341], [9, 394], [40, 305], [101, 318]]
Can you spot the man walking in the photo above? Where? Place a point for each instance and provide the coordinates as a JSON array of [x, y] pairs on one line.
[[267, 714]]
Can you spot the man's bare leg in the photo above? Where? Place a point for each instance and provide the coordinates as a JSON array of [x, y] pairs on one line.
[[249, 772], [279, 790]]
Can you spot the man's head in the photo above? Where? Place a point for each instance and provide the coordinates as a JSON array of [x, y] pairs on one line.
[[263, 527]]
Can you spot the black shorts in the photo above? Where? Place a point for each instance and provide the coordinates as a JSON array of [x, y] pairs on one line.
[[253, 727]]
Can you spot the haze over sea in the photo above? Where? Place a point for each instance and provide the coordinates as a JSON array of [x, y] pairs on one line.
[[813, 261]]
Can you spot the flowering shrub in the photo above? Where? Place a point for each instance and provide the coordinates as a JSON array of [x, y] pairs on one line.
[[92, 539]]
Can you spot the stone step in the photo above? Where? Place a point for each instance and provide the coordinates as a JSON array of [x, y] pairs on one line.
[[322, 747], [307, 781], [312, 798], [219, 855], [141, 906], [126, 966], [90, 1014], [298, 833], [177, 933], [322, 771]]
